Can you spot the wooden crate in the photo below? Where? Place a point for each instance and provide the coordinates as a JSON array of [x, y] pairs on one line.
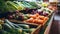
[[37, 30], [43, 26], [18, 21], [46, 28], [31, 26]]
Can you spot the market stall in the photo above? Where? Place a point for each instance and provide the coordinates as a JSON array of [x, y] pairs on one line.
[[25, 17]]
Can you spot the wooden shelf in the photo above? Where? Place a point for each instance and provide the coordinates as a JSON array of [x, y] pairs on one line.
[[49, 25]]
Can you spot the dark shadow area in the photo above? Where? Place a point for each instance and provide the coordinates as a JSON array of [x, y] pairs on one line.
[[55, 27]]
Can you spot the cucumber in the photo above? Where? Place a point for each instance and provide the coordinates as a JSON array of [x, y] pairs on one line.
[[20, 4], [8, 28], [15, 5], [6, 24], [7, 21], [24, 26], [4, 32], [25, 32], [18, 31], [17, 26], [29, 30], [12, 30], [21, 26], [11, 4], [27, 6], [15, 30]]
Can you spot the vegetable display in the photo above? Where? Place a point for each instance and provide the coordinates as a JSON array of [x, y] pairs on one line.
[[26, 13], [45, 11], [36, 18], [18, 16], [12, 6], [11, 28]]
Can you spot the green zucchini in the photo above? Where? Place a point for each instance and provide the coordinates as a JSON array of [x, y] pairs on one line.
[[17, 26], [21, 26], [5, 32], [29, 30], [20, 4], [25, 32], [7, 21], [18, 31], [12, 30], [24, 26], [27, 6], [8, 28], [11, 4]]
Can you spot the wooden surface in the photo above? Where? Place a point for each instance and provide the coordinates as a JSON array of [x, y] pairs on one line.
[[37, 30], [55, 28], [49, 25]]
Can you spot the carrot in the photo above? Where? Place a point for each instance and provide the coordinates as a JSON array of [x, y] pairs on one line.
[[33, 16], [46, 18], [41, 17], [40, 21], [35, 21], [37, 14]]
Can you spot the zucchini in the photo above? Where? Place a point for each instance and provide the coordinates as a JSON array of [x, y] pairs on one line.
[[8, 28], [17, 26], [20, 4], [4, 32], [16, 6], [27, 6], [25, 32], [24, 26], [7, 21], [29, 30], [11, 4], [18, 31], [33, 4], [21, 26]]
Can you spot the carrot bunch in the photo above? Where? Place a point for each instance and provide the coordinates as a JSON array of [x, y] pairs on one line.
[[36, 18]]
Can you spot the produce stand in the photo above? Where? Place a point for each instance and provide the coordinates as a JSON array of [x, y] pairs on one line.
[[48, 26], [23, 17], [31, 25], [43, 29]]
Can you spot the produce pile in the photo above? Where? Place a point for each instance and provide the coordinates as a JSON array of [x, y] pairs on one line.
[[29, 12], [15, 5], [36, 18], [19, 5], [12, 28], [45, 11], [24, 11]]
